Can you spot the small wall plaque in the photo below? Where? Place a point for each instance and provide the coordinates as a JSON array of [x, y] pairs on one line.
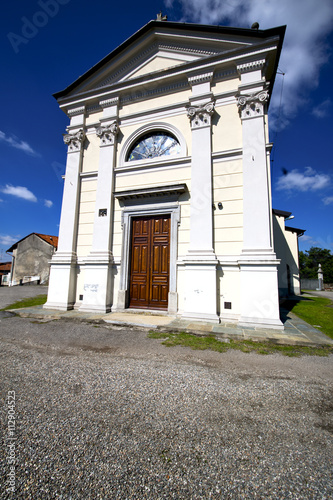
[[102, 212], [227, 305]]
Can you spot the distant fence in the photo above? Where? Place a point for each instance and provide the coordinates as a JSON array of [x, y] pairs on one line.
[[309, 284], [26, 280], [314, 285]]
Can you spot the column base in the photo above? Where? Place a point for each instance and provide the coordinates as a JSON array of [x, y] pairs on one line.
[[200, 301], [260, 295], [97, 290], [261, 323], [62, 284]]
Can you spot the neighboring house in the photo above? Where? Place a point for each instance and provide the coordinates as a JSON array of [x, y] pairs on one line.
[[5, 268], [167, 198], [286, 249], [31, 258]]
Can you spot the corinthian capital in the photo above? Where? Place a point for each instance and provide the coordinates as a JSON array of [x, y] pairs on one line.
[[200, 116], [108, 133], [74, 141], [252, 104]]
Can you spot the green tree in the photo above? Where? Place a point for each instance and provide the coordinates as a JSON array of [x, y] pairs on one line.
[[309, 262]]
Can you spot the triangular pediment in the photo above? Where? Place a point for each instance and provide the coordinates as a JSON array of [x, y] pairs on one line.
[[160, 46]]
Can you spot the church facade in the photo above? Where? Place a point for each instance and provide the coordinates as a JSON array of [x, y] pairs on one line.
[[167, 197]]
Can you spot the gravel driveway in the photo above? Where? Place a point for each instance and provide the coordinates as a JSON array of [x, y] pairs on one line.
[[104, 412]]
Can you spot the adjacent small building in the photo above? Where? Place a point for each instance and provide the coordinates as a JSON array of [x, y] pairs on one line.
[[5, 268], [167, 197], [31, 258], [286, 249]]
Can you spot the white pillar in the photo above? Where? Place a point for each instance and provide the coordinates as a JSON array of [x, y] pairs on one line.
[[200, 262], [258, 264], [62, 281], [97, 294]]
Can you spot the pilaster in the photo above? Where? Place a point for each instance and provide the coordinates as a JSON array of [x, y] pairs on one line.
[[200, 261], [258, 265], [62, 282], [97, 294]]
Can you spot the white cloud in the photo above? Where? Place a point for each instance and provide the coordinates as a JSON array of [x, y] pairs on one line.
[[309, 180], [328, 200], [304, 50], [17, 144], [20, 192], [7, 240], [48, 203], [323, 109]]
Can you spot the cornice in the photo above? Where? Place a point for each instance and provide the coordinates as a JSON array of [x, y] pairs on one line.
[[202, 78], [205, 65], [153, 92], [154, 49], [250, 66], [152, 192], [76, 111], [109, 102], [191, 50]]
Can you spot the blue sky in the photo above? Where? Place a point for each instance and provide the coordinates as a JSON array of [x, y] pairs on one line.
[[47, 44]]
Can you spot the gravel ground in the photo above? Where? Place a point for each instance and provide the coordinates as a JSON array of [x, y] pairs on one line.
[[104, 412]]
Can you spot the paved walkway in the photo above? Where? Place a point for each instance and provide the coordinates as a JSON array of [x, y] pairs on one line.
[[296, 331]]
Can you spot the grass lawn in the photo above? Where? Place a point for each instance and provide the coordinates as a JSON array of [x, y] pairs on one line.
[[30, 302], [212, 343], [317, 311]]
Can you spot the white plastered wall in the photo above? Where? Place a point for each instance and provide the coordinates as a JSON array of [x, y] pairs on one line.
[[227, 133], [292, 241], [154, 104], [86, 216], [90, 153]]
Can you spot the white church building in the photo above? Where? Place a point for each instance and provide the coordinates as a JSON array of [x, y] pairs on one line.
[[167, 191]]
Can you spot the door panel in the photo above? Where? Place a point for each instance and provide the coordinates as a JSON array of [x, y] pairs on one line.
[[150, 262]]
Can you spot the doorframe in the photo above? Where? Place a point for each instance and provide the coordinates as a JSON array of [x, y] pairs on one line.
[[127, 215]]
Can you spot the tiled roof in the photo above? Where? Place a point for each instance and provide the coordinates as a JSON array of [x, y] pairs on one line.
[[53, 240], [5, 266]]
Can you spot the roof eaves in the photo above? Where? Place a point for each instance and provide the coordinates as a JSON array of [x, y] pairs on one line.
[[281, 213], [299, 232], [280, 31]]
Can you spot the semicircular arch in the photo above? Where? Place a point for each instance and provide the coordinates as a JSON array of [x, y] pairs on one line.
[[151, 128]]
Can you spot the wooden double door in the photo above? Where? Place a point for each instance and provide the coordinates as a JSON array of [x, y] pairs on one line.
[[150, 262]]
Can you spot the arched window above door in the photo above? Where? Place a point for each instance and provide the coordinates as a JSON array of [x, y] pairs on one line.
[[154, 144], [151, 144]]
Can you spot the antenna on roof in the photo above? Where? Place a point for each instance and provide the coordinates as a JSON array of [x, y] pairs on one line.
[[255, 26], [160, 17]]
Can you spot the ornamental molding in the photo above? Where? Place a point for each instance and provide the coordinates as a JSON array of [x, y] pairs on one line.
[[206, 77], [228, 73], [183, 48], [252, 105], [250, 66], [200, 116], [109, 102], [153, 49], [130, 64], [107, 134], [154, 92], [74, 141], [76, 111]]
